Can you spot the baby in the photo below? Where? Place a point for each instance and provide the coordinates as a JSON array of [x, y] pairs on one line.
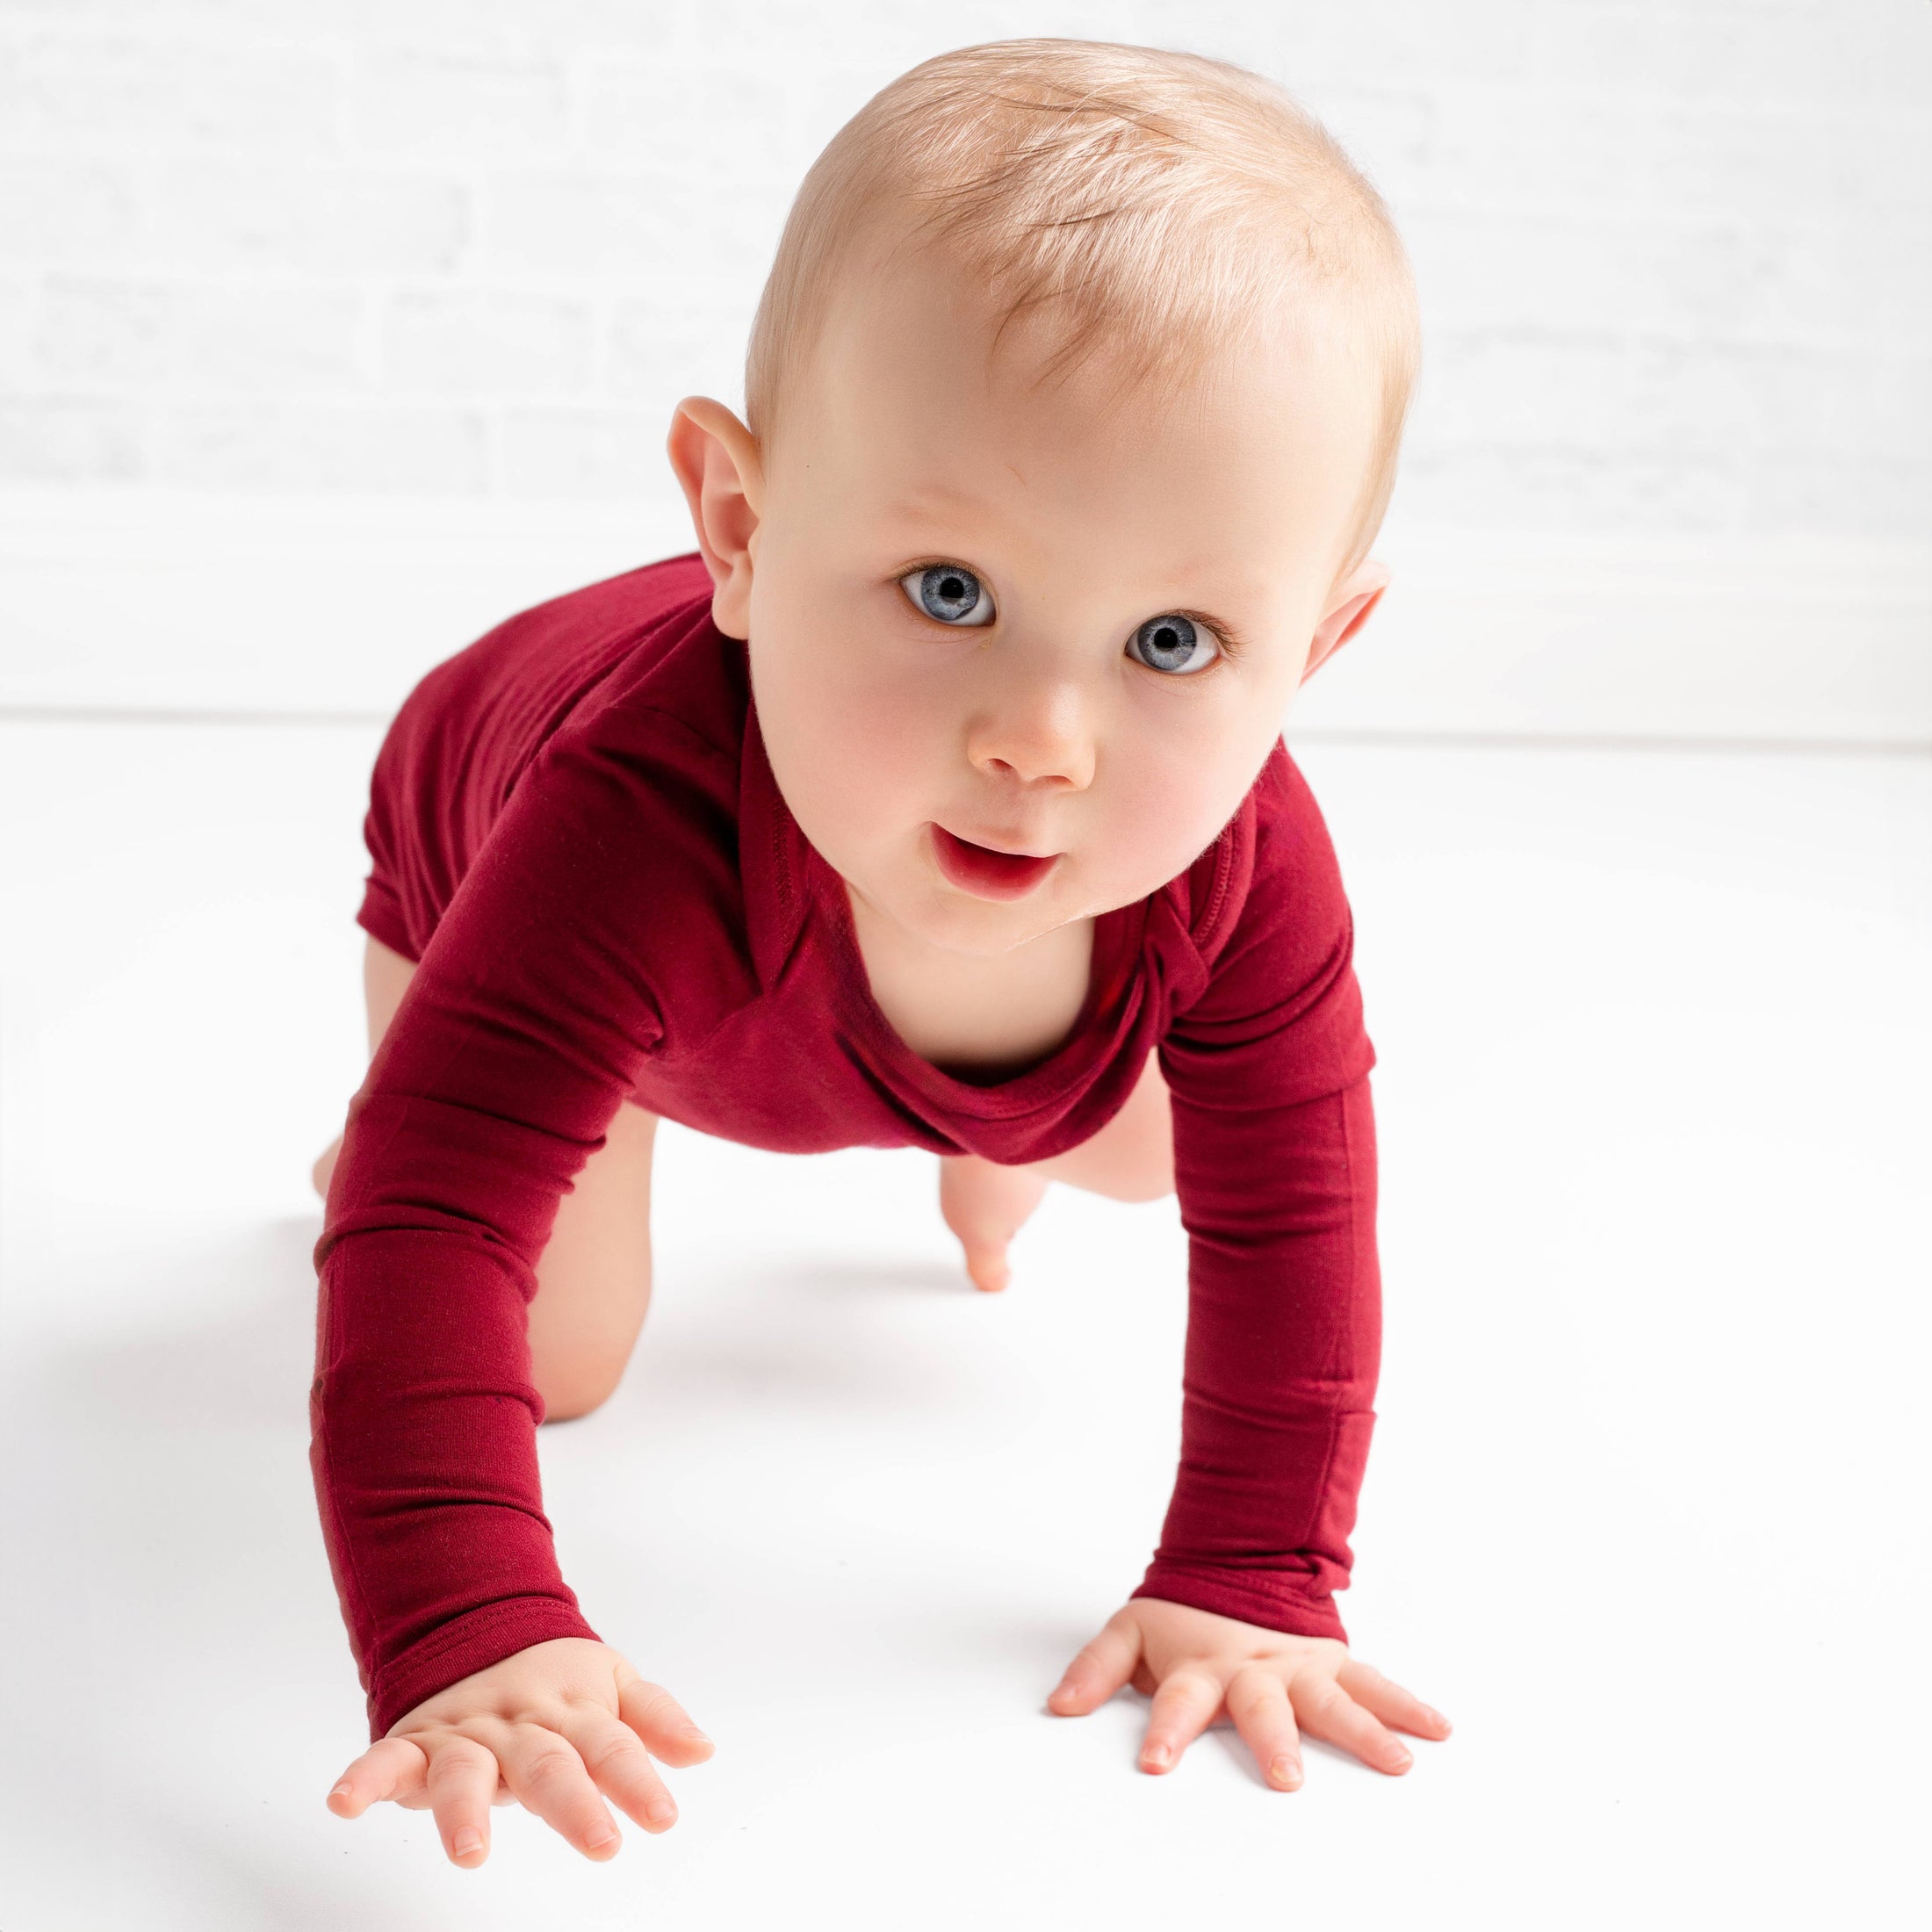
[[938, 799]]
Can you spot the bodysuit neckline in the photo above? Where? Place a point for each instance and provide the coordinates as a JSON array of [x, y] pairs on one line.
[[1065, 1066]]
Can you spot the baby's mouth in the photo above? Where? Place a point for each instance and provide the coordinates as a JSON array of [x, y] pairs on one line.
[[986, 873]]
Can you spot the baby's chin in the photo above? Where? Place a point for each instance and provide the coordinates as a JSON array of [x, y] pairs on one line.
[[930, 909]]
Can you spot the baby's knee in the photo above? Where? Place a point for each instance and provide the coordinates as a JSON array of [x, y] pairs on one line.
[[1155, 1183], [323, 1171], [571, 1400]]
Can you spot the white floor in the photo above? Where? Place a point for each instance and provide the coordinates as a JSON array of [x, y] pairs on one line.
[[1644, 1514]]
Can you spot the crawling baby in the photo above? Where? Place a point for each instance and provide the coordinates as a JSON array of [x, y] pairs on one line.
[[937, 799]]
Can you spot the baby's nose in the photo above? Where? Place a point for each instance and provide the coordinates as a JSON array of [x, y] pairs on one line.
[[1038, 758], [1044, 737]]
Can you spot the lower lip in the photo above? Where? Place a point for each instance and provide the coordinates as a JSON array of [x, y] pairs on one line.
[[986, 874]]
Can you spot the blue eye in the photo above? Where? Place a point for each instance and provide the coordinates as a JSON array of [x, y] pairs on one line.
[[1173, 643], [950, 593]]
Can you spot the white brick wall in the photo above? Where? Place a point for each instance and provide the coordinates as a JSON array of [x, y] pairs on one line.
[[1673, 254]]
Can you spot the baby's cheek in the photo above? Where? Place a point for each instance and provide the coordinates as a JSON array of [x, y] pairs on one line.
[[864, 756], [1162, 816], [877, 704], [894, 727]]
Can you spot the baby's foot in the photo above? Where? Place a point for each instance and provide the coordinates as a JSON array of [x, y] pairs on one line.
[[985, 1205], [325, 1165]]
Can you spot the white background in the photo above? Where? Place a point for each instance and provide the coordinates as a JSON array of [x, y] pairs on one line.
[[1670, 469], [332, 333]]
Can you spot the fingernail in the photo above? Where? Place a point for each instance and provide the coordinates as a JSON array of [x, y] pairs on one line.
[[1402, 1760], [598, 1844], [661, 1812], [468, 1841], [1440, 1718], [1287, 1770], [695, 1735], [1065, 1690], [1160, 1756], [341, 1790]]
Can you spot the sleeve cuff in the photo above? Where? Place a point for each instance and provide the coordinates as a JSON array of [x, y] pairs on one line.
[[1264, 1598]]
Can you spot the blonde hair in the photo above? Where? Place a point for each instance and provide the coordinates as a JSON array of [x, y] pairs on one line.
[[1145, 201]]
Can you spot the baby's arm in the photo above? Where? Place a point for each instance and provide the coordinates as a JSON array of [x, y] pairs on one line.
[[1266, 1067], [1281, 1360], [1284, 1348], [524, 1027]]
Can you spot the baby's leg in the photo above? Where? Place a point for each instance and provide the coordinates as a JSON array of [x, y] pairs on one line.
[[1130, 1159], [594, 1276]]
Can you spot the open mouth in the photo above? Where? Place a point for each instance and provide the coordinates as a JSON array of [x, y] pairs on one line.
[[988, 874]]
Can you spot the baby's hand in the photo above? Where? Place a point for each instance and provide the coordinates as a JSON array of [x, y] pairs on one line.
[[547, 1726], [1192, 1663]]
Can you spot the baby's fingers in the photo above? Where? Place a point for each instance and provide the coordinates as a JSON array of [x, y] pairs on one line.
[[1099, 1670], [660, 1720], [1257, 1701], [1183, 1708], [620, 1766], [1389, 1701], [393, 1767], [1327, 1711], [547, 1777], [462, 1782]]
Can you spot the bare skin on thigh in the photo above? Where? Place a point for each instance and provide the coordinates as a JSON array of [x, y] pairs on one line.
[[594, 1276]]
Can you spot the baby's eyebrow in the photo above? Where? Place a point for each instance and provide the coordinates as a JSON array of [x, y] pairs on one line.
[[934, 503]]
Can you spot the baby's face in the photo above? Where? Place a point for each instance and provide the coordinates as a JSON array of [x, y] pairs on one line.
[[986, 622]]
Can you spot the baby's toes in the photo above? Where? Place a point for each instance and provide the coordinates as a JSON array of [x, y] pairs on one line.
[[989, 1268], [985, 1206]]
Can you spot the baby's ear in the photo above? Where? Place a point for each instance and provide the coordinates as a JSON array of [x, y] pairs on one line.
[[718, 462], [1354, 598]]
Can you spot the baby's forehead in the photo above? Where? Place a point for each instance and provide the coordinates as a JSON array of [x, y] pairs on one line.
[[936, 425], [916, 328], [1223, 474]]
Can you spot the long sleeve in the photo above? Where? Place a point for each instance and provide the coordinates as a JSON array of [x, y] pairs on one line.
[[525, 1028], [1274, 1158], [1283, 1348]]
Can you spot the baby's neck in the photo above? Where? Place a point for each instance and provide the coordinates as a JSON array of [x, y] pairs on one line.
[[991, 1014]]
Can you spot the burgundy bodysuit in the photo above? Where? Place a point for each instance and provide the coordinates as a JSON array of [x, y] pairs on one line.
[[575, 831]]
